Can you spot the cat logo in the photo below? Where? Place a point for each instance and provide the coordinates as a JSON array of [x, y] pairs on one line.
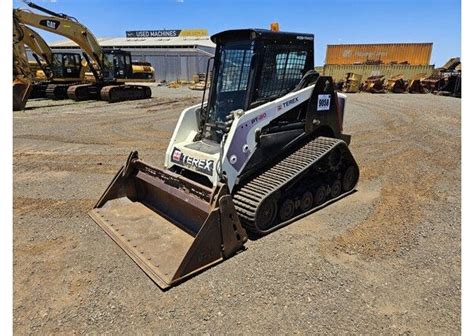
[[51, 24]]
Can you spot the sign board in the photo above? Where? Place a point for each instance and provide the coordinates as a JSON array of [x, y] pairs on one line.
[[167, 33]]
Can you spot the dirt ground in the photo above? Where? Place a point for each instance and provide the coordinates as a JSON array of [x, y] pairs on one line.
[[382, 261]]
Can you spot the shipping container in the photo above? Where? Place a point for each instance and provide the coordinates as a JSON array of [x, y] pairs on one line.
[[409, 53]]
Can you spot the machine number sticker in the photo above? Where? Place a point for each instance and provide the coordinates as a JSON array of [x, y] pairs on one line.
[[324, 102]]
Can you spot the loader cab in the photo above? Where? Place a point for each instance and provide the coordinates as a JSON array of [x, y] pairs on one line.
[[66, 65], [117, 64], [252, 67]]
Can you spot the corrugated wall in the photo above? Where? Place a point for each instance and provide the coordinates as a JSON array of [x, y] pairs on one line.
[[338, 72], [413, 53], [170, 64]]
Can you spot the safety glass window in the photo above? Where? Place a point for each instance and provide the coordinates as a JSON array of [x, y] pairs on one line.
[[282, 70], [235, 68]]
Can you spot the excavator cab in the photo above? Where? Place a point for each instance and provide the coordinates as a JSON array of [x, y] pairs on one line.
[[66, 65], [117, 65]]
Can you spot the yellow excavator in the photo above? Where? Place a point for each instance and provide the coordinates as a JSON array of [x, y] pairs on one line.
[[67, 66], [54, 71], [141, 72], [114, 66]]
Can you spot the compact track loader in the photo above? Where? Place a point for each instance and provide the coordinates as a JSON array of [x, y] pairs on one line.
[[265, 149]]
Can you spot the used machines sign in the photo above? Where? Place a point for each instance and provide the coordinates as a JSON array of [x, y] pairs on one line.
[[167, 33]]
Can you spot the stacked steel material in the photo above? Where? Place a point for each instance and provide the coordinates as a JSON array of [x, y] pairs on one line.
[[352, 83], [446, 80], [396, 84], [415, 85], [374, 84]]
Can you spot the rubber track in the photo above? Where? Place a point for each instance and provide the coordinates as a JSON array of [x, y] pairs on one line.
[[248, 197], [51, 91]]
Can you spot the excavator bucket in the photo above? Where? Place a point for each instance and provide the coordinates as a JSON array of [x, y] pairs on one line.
[[21, 93], [171, 226]]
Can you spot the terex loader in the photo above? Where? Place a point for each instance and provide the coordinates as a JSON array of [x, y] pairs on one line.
[[265, 149]]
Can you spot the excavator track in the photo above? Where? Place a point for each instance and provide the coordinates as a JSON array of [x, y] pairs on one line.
[[57, 91], [117, 93], [110, 93], [320, 172], [82, 92]]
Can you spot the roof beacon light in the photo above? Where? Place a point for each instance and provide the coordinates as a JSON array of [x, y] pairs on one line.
[[274, 26]]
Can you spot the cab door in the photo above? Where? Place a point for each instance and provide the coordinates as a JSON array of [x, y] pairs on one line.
[[71, 66]]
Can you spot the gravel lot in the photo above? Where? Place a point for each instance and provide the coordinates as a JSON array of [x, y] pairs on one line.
[[384, 260]]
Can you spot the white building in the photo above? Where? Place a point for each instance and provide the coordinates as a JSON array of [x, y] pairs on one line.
[[173, 57]]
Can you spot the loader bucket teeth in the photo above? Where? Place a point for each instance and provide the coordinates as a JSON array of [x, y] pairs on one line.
[[170, 226]]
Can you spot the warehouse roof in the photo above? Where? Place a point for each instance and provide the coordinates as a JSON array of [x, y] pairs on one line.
[[159, 42]]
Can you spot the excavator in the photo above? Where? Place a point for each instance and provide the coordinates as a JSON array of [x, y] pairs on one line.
[[55, 71], [264, 149], [59, 69], [114, 66], [142, 72]]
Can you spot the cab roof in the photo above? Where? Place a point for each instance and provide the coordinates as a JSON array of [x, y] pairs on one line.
[[264, 34]]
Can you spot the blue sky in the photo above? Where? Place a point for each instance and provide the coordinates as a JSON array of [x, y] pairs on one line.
[[332, 22]]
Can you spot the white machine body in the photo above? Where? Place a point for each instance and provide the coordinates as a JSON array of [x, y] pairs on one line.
[[238, 145]]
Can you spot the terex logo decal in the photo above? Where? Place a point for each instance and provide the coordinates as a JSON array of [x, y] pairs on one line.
[[200, 165], [52, 24], [287, 103], [290, 102]]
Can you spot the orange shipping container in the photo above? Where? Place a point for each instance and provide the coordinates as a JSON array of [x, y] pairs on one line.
[[412, 53]]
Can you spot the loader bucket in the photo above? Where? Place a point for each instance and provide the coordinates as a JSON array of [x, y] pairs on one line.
[[21, 93], [171, 226]]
